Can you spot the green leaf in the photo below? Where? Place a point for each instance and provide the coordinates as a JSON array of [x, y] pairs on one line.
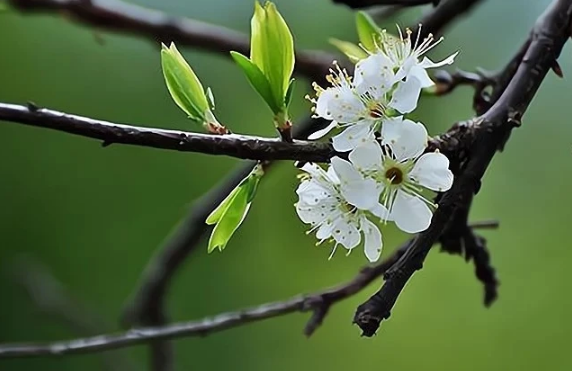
[[210, 97], [217, 213], [289, 92], [367, 30], [257, 79], [233, 209], [272, 48], [230, 220], [352, 51], [184, 86]]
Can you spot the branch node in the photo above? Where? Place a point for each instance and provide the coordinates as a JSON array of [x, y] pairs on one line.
[[32, 107]]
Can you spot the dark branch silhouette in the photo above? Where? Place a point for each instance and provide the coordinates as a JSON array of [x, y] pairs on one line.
[[240, 146], [356, 4], [146, 305], [133, 19], [470, 146], [547, 39], [318, 303]]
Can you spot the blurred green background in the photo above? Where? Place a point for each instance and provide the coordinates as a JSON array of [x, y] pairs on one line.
[[95, 216]]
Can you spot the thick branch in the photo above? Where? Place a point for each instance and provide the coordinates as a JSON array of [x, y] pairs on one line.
[[318, 302], [446, 12], [550, 34], [133, 19], [356, 4], [240, 146]]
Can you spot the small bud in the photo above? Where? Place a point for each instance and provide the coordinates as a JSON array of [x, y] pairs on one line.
[[187, 91], [233, 209], [271, 63]]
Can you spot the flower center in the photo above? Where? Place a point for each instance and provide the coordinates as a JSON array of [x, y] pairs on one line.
[[375, 109], [394, 175], [348, 208]]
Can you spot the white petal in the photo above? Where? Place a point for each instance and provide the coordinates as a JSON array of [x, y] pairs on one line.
[[381, 212], [367, 156], [363, 194], [432, 171], [346, 233], [332, 176], [353, 136], [406, 95], [320, 133], [323, 102], [373, 241], [374, 75], [311, 192], [407, 139], [360, 192], [345, 106], [345, 170], [315, 171], [428, 63], [325, 231], [410, 213], [318, 212], [421, 74], [309, 214], [405, 68]]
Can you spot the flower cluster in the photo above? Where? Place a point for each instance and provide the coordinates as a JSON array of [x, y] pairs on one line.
[[389, 170]]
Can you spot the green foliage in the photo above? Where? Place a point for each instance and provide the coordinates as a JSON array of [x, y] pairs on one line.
[[354, 52], [232, 210], [257, 79], [367, 30], [271, 62], [184, 86]]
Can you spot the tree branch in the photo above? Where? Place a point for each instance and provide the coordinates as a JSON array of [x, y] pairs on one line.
[[356, 4], [239, 146], [318, 303], [442, 16], [548, 37], [146, 305], [133, 19]]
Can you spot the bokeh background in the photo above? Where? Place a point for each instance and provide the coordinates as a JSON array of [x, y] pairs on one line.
[[95, 216]]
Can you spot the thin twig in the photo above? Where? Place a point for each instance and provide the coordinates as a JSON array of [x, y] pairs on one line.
[[318, 303], [133, 19], [549, 35], [444, 14], [357, 4], [146, 305], [239, 146]]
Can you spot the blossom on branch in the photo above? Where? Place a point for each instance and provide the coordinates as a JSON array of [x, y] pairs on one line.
[[402, 171], [388, 175], [322, 205]]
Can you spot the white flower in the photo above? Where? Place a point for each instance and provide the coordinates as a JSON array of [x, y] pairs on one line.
[[357, 108], [403, 58], [322, 205], [402, 171]]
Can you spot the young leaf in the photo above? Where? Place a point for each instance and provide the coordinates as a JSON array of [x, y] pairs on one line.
[[256, 79], [272, 49], [231, 212], [217, 213], [184, 86], [230, 221], [289, 92], [367, 30], [352, 51]]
